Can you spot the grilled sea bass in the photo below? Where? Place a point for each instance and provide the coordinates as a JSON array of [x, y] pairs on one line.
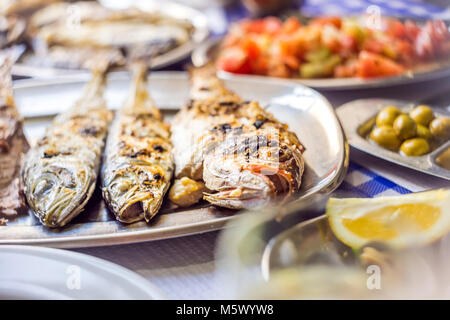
[[13, 145], [60, 172], [138, 163], [241, 152]]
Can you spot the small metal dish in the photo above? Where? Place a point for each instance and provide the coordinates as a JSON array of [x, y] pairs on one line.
[[356, 117]]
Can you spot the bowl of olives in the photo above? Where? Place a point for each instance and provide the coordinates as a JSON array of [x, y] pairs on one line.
[[412, 135]]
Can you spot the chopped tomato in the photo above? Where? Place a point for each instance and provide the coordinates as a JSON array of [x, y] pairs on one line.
[[424, 44], [411, 30], [251, 48], [374, 65], [267, 25], [291, 25], [269, 46], [396, 29], [347, 70], [291, 61], [348, 45], [260, 65], [234, 60], [288, 46], [373, 45]]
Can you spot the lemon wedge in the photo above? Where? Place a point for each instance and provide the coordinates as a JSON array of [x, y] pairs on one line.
[[401, 221]]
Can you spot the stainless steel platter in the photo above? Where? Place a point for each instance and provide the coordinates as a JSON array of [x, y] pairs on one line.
[[26, 68], [354, 115], [209, 50], [308, 114]]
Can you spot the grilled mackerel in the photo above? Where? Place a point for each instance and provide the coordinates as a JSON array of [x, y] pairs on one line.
[[138, 163], [60, 172], [241, 152], [13, 146]]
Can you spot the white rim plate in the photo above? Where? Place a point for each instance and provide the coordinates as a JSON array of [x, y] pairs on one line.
[[42, 273]]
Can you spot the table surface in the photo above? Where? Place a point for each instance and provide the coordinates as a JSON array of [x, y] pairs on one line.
[[184, 268]]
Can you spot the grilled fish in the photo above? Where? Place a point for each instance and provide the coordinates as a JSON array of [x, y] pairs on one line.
[[13, 146], [23, 7], [90, 25], [138, 162], [242, 153], [60, 172]]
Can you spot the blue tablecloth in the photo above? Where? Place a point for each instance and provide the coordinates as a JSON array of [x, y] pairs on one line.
[[396, 8]]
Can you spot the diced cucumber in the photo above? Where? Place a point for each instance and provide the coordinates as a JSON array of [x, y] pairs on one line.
[[318, 55], [320, 69]]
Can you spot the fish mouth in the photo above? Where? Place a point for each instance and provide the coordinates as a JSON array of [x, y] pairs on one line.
[[60, 193], [277, 185], [238, 198], [141, 206], [128, 201]]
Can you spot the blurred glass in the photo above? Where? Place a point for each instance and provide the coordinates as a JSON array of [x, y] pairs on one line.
[[269, 255]]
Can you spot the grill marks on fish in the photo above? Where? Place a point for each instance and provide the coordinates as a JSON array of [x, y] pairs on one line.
[[60, 172], [13, 146], [138, 162], [242, 153]]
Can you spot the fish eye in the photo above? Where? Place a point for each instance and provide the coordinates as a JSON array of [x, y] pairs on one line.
[[43, 187]]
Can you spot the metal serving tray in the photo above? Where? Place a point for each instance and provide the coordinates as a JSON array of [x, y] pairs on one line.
[[354, 115], [308, 114]]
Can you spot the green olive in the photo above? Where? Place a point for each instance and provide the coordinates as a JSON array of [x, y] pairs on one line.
[[387, 116], [440, 128], [415, 147], [405, 127], [422, 115], [385, 137], [423, 132]]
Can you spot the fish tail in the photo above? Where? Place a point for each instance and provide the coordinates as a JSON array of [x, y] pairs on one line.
[[6, 88], [94, 89], [139, 100], [139, 85], [205, 84], [208, 70]]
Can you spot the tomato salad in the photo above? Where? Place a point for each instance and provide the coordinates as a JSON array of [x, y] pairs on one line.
[[331, 47]]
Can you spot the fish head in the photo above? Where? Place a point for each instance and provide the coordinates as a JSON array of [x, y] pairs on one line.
[[133, 192], [249, 171], [58, 190]]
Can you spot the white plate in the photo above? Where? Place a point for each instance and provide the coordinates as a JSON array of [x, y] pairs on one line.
[[307, 113], [44, 273]]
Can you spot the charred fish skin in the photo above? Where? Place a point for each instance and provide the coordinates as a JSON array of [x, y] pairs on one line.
[[138, 161], [60, 172], [13, 146], [243, 154]]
